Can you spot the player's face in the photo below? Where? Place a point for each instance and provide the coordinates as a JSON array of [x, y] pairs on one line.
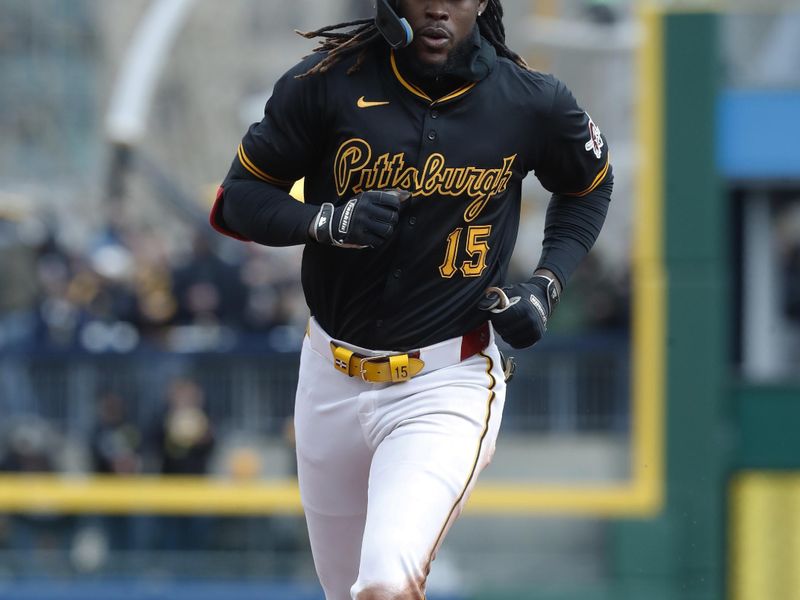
[[440, 26]]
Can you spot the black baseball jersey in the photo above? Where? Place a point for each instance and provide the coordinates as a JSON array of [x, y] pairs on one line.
[[463, 157]]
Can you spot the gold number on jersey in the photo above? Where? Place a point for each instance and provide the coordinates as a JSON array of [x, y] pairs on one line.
[[448, 268], [477, 248]]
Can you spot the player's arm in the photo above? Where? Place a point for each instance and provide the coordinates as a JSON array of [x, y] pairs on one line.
[[253, 203], [576, 169], [265, 213], [256, 211]]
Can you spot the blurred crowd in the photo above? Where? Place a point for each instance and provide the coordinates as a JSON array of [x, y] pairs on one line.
[[128, 289]]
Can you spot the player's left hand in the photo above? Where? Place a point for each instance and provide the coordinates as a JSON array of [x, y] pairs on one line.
[[519, 312]]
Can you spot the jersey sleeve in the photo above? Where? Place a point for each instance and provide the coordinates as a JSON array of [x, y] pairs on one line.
[[281, 148], [576, 158]]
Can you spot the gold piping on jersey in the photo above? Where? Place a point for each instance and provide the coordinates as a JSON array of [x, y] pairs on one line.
[[487, 418], [355, 171], [457, 93], [420, 94], [248, 164], [597, 180]]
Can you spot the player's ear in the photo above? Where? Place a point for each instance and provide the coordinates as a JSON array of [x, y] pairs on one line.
[[482, 5]]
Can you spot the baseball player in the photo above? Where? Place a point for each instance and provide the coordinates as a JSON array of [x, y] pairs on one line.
[[414, 131]]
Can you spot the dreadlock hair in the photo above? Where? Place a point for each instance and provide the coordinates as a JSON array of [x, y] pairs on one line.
[[346, 39], [491, 27]]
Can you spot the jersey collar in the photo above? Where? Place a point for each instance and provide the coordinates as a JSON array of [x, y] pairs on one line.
[[481, 61], [480, 65]]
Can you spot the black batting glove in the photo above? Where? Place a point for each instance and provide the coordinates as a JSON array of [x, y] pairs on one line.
[[519, 313], [365, 221]]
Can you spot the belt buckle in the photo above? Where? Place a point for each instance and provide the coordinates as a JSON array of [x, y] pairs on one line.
[[366, 360]]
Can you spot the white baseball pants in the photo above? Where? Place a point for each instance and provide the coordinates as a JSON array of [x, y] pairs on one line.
[[385, 469]]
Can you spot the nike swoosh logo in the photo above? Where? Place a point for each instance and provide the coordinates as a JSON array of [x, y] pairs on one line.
[[362, 103]]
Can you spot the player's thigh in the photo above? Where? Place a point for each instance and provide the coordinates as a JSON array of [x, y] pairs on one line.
[[333, 458], [333, 468], [422, 474]]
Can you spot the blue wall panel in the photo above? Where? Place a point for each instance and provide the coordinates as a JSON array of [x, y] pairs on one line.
[[758, 134]]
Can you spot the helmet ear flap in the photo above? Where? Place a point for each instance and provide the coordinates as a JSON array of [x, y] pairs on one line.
[[395, 29]]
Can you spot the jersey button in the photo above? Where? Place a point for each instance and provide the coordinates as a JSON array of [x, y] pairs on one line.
[[432, 135], [397, 273], [434, 114], [412, 221]]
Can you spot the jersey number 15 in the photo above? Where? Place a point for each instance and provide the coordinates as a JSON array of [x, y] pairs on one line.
[[476, 247]]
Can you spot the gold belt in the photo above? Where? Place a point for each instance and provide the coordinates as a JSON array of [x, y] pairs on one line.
[[394, 368]]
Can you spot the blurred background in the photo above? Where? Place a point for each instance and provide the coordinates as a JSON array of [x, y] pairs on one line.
[[650, 441]]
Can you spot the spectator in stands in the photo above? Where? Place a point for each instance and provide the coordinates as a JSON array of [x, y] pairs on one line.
[[115, 446], [152, 283], [183, 436], [209, 290], [58, 316], [116, 441], [31, 446], [183, 440]]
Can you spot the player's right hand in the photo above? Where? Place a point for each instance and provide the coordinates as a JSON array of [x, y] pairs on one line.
[[365, 221]]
